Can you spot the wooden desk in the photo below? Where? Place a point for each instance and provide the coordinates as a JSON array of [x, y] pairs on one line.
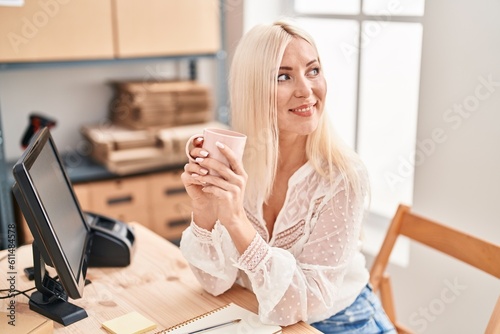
[[158, 284]]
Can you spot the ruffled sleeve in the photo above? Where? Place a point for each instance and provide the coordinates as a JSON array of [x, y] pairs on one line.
[[211, 255]]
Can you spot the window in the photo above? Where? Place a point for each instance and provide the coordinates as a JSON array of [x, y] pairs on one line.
[[371, 51]]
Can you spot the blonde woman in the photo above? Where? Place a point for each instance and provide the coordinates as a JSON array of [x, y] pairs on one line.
[[284, 222]]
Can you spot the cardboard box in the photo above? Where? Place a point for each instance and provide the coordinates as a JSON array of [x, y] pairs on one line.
[[125, 151], [156, 104], [26, 324]]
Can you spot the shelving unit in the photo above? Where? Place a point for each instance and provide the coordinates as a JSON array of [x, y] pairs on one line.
[[219, 58]]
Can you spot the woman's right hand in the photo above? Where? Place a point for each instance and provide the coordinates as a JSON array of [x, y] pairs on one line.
[[203, 205]]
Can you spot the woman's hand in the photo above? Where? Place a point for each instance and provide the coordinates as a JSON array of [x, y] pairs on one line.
[[225, 192], [203, 205], [228, 188]]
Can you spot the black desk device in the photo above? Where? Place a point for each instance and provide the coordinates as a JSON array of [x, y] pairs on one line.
[[112, 241], [62, 233]]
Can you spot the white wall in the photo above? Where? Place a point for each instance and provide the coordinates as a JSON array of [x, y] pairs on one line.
[[457, 178], [264, 11]]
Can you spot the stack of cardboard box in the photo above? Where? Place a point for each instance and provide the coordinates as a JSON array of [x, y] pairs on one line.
[[142, 105], [150, 124]]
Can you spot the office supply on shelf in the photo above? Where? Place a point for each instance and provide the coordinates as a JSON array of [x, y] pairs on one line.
[[36, 123], [130, 323], [153, 104], [126, 151], [225, 315]]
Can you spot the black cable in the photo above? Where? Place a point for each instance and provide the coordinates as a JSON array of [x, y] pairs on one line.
[[24, 293], [18, 292]]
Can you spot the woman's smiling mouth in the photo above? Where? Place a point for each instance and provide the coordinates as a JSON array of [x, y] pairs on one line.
[[304, 110]]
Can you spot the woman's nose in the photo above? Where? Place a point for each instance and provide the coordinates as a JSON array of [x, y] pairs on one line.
[[303, 87]]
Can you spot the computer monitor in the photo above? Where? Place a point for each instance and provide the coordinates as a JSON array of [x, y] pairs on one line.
[[61, 234]]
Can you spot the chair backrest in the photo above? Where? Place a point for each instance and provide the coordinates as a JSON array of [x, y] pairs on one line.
[[462, 246]]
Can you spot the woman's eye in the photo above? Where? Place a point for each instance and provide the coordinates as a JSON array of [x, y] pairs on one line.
[[283, 77], [315, 71]]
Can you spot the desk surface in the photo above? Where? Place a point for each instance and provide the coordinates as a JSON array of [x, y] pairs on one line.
[[158, 284]]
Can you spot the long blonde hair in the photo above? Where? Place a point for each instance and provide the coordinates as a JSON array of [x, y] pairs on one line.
[[253, 92]]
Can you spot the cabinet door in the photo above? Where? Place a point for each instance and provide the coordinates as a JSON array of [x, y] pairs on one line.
[[124, 199], [52, 30], [170, 205], [167, 27], [82, 192]]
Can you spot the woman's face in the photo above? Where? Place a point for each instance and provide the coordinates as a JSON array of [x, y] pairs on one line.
[[301, 89]]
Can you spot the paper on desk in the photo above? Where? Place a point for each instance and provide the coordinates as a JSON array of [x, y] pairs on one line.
[[130, 323]]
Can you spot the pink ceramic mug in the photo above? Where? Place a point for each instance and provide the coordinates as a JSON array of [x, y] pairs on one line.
[[232, 139]]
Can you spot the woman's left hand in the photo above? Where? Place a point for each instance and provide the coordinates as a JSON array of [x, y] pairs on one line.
[[228, 188]]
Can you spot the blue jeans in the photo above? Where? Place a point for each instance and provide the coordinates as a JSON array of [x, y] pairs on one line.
[[364, 316]]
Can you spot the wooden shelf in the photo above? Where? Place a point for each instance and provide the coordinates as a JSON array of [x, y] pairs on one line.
[[103, 32]]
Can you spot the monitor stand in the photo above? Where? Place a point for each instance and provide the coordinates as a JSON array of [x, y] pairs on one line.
[[51, 300]]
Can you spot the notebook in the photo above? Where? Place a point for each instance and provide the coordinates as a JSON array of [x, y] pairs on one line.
[[249, 323]]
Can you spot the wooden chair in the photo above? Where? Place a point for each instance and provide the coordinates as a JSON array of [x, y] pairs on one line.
[[466, 248]]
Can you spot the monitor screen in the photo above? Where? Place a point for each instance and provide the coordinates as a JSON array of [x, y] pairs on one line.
[[60, 232], [59, 206]]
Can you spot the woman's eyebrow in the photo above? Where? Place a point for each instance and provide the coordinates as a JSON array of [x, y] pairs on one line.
[[288, 68], [312, 62]]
